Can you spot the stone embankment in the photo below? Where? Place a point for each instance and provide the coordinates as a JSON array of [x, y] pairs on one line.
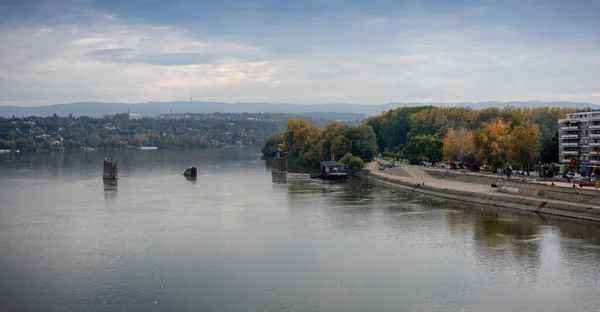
[[527, 196]]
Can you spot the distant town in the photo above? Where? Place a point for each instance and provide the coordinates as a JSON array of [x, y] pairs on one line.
[[131, 130]]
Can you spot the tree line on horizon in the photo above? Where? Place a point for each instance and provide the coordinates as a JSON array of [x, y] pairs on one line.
[[170, 131], [521, 137]]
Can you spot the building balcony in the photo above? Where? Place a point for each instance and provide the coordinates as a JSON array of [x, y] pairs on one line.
[[570, 128], [569, 144], [594, 143], [570, 152], [593, 127], [570, 136], [594, 135]]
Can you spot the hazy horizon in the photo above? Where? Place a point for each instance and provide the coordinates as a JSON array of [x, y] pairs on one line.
[[309, 52], [458, 103]]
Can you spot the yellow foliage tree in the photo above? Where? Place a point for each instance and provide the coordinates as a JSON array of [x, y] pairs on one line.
[[458, 144], [490, 143], [524, 145]]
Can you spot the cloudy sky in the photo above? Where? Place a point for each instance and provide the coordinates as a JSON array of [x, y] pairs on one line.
[[309, 51]]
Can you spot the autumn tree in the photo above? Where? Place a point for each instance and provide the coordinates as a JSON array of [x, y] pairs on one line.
[[297, 132], [573, 165], [458, 144], [490, 143], [308, 145], [332, 141], [524, 145]]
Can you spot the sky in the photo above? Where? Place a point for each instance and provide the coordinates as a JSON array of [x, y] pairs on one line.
[[304, 52]]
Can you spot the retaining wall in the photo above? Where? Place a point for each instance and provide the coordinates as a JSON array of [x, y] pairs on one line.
[[531, 189], [498, 200], [462, 177], [573, 195]]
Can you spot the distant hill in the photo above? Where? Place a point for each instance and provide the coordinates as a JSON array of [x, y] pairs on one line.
[[96, 109]]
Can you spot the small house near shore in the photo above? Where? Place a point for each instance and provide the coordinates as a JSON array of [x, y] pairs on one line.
[[333, 170]]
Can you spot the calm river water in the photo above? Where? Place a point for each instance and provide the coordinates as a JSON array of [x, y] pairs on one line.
[[238, 240]]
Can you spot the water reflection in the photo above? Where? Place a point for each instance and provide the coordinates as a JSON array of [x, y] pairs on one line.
[[300, 185], [286, 245], [501, 240], [191, 179], [110, 185], [110, 191], [279, 178]]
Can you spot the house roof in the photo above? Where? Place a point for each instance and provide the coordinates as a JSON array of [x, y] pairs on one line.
[[331, 163]]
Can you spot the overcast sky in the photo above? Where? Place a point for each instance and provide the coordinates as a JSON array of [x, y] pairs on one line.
[[309, 51]]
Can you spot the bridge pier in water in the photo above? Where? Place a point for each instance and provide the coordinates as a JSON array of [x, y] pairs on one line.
[[110, 169]]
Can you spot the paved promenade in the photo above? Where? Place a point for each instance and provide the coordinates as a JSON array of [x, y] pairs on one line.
[[417, 179], [416, 175]]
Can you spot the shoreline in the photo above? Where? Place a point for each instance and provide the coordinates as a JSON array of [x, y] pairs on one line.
[[414, 179]]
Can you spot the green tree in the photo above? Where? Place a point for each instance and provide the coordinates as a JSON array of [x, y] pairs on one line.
[[424, 148], [392, 127], [269, 149], [354, 163], [361, 141]]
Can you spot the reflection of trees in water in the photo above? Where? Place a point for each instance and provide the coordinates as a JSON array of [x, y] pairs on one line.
[[294, 168], [458, 219], [351, 192], [512, 240], [299, 185], [341, 204], [587, 231], [501, 241], [579, 246], [291, 167]]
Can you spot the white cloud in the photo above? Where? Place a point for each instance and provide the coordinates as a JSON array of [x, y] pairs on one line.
[[54, 65], [363, 60]]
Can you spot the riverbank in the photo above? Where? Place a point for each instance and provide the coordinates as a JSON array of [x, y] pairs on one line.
[[414, 179]]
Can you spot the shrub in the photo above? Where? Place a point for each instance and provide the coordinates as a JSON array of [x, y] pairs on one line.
[[354, 163]]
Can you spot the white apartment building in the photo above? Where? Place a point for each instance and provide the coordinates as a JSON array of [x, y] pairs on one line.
[[579, 136]]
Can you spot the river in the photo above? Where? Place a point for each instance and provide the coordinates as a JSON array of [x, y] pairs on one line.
[[236, 239]]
